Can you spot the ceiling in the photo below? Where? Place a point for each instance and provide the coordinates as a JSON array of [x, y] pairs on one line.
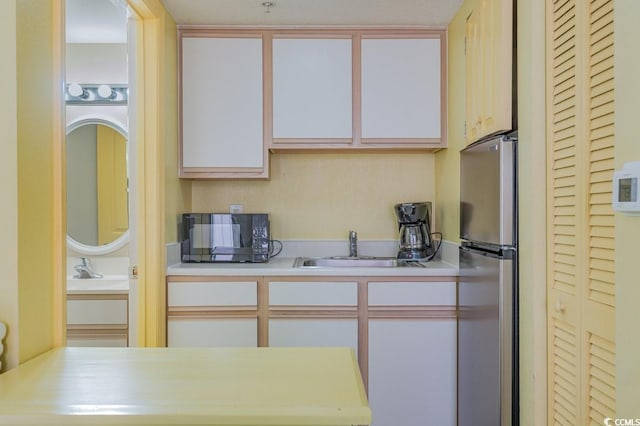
[[432, 13], [105, 21]]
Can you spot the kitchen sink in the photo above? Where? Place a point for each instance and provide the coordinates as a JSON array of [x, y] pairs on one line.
[[351, 262]]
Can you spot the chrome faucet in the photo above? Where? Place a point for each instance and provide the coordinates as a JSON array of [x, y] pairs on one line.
[[85, 269], [353, 244]]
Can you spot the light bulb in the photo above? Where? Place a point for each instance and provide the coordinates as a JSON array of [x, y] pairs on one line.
[[105, 91], [77, 91]]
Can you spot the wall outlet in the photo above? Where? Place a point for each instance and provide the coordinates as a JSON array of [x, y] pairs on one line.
[[236, 208]]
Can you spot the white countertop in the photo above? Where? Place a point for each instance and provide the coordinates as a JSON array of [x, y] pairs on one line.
[[109, 284], [283, 266]]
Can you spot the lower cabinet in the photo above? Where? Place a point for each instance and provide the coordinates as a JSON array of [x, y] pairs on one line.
[[314, 332], [212, 313], [412, 372], [313, 313], [403, 332], [212, 332], [97, 320], [412, 360]]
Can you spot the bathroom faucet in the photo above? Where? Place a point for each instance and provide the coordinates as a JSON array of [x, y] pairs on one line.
[[85, 269], [353, 244]]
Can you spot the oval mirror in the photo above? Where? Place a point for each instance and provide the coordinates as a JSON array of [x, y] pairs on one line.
[[97, 186]]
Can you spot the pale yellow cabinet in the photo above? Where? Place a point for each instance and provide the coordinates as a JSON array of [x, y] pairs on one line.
[[489, 79], [221, 114], [212, 314], [312, 90], [402, 90], [313, 314], [412, 353], [97, 320]]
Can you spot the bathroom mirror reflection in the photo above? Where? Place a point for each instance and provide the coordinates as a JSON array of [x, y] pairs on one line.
[[97, 183]]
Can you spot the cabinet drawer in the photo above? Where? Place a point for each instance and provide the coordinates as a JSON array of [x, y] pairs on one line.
[[227, 332], [313, 293], [97, 312], [212, 293], [412, 293]]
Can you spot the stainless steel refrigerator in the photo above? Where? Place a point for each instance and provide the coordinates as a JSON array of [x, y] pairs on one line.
[[488, 287]]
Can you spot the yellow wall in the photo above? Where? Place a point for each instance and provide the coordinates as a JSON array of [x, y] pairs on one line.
[[447, 161], [31, 249], [178, 191], [9, 180], [161, 195], [627, 93], [324, 195], [532, 215]]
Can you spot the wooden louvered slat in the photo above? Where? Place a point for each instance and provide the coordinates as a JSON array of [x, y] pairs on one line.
[[565, 390], [601, 355]]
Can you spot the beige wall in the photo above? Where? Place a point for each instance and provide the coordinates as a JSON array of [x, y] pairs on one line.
[[627, 93], [324, 195], [9, 181]]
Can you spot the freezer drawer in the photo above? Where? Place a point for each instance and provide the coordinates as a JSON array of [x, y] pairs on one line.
[[485, 342], [487, 192]]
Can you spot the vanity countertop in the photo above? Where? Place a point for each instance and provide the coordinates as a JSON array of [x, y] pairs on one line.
[[109, 284], [284, 267]]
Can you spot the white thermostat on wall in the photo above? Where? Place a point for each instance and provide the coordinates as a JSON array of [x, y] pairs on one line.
[[626, 189]]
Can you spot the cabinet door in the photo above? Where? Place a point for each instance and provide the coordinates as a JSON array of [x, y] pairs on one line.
[[312, 90], [96, 312], [97, 339], [402, 90], [203, 294], [313, 314], [222, 107], [314, 332], [212, 332], [212, 314], [412, 371], [489, 38]]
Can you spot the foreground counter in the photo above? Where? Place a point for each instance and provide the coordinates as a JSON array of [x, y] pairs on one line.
[[186, 386]]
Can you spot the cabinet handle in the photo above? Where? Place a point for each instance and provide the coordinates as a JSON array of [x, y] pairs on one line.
[[560, 307]]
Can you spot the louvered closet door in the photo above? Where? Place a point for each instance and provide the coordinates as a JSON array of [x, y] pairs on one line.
[[581, 292]]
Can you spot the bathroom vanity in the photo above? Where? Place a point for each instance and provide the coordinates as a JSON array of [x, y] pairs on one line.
[[97, 312]]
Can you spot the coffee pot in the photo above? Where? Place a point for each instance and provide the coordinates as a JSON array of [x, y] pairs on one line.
[[414, 221]]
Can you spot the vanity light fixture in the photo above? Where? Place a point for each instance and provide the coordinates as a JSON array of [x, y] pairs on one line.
[[96, 94]]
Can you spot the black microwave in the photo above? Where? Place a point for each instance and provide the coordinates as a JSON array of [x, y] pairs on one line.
[[224, 237]]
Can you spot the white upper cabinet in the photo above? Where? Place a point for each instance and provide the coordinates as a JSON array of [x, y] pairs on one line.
[[222, 107], [312, 89], [246, 91], [402, 89]]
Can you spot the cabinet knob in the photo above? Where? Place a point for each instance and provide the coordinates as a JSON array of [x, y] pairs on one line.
[[560, 307]]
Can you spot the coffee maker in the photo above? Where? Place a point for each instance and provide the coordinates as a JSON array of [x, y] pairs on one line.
[[414, 220]]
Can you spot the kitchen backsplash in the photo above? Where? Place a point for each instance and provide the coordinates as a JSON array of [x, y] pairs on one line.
[[322, 196]]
